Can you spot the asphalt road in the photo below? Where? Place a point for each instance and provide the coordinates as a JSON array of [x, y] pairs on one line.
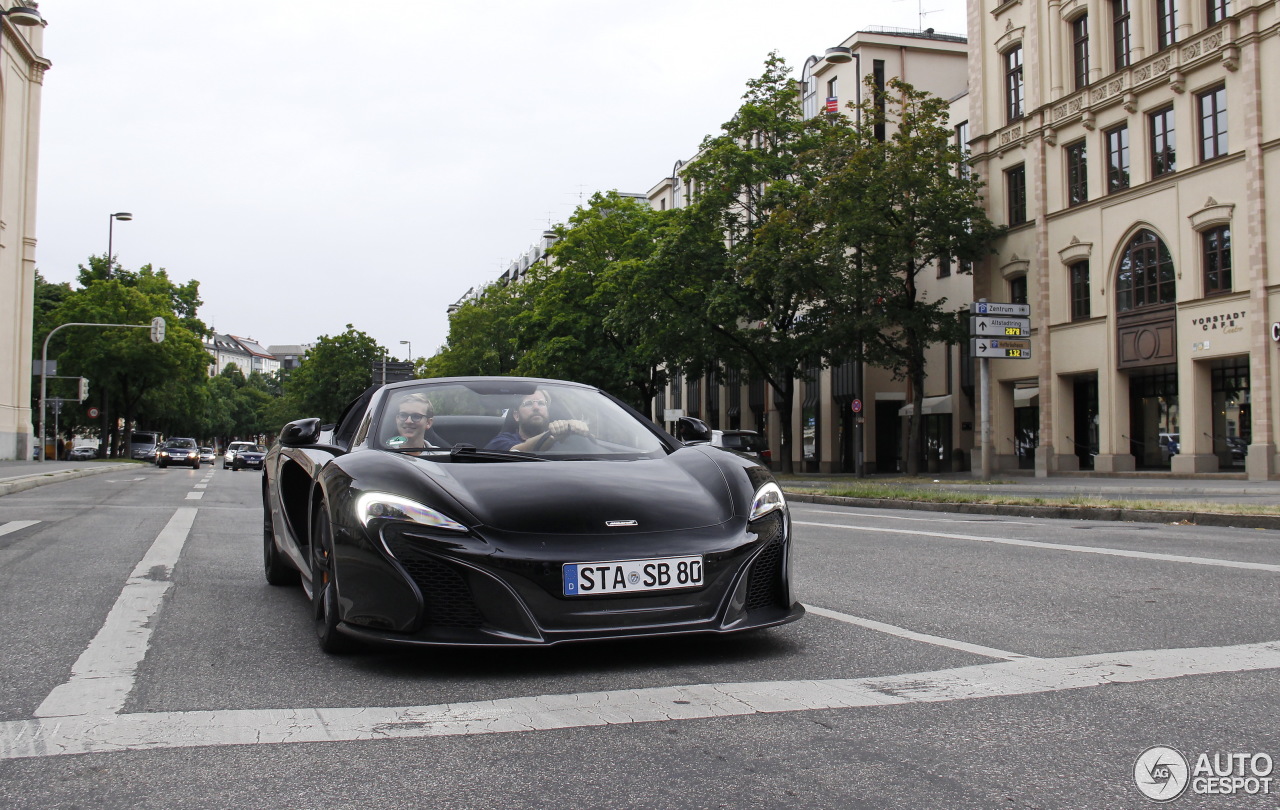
[[947, 661]]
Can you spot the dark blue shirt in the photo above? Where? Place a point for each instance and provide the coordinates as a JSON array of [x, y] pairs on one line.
[[504, 441]]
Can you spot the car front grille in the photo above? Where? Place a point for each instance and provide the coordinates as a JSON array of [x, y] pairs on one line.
[[766, 588], [445, 593]]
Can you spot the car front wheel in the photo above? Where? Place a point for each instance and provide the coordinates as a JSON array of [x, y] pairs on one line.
[[278, 571], [324, 590]]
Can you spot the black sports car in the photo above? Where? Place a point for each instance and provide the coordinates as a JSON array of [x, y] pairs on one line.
[[501, 511]]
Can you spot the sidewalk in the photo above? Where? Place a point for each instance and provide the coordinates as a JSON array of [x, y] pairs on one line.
[[17, 476], [1168, 498]]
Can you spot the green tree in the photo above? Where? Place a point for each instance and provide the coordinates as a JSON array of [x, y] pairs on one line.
[[888, 210], [133, 378], [738, 277], [484, 335], [334, 371], [574, 327]]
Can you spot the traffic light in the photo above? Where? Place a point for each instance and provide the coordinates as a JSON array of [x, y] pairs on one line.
[[84, 388], [157, 329]]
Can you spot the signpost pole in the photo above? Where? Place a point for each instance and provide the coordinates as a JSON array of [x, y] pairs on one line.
[[984, 370]]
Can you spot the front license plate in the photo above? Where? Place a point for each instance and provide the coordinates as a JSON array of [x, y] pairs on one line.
[[632, 576]]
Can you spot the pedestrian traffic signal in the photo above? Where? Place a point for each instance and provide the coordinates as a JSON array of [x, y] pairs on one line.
[[84, 388]]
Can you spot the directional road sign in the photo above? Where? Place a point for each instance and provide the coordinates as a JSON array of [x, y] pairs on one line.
[[1001, 347], [987, 326], [996, 308]]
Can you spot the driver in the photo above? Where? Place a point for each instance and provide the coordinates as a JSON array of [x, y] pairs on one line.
[[414, 415], [534, 429]]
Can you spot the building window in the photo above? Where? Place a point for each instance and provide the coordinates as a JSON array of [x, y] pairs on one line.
[[1118, 158], [1016, 186], [944, 267], [1120, 32], [810, 100], [962, 144], [1166, 23], [1077, 174], [1216, 11], [878, 79], [1080, 291], [1213, 123], [1018, 290], [1217, 260], [1163, 143], [1013, 88], [1146, 276], [1080, 49]]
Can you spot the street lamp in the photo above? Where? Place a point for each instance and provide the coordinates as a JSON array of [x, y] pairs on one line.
[[23, 15], [123, 216], [410, 345]]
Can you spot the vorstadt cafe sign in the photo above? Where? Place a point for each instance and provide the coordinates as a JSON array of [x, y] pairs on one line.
[[1223, 324]]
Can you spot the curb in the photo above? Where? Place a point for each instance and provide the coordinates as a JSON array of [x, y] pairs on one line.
[[1060, 512], [21, 483]]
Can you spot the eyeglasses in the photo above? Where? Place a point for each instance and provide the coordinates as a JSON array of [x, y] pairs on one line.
[[412, 417], [534, 403]]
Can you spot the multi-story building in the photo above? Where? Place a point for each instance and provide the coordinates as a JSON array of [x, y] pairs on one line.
[[245, 353], [838, 404], [1129, 146], [23, 66]]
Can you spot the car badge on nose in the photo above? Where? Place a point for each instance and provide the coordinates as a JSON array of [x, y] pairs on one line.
[[615, 524]]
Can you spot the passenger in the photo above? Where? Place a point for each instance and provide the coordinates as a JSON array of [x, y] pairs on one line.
[[414, 416], [534, 429]]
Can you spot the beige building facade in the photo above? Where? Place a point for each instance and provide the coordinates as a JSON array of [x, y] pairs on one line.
[[22, 68], [1131, 147]]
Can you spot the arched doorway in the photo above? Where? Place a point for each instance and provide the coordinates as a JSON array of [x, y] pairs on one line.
[[1146, 331]]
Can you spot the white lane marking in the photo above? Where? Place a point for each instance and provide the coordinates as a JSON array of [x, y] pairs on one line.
[[103, 676], [149, 731], [200, 486], [1114, 552], [123, 480], [194, 496], [902, 632], [16, 525], [881, 516]]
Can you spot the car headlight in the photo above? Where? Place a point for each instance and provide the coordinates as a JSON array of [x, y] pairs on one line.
[[768, 499], [373, 505]]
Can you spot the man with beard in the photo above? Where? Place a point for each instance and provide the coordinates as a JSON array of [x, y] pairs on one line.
[[534, 429]]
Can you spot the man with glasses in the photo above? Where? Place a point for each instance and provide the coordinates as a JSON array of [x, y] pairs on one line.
[[534, 429], [414, 416]]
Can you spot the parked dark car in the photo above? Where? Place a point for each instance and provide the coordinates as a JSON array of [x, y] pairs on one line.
[[243, 455], [747, 442], [178, 451], [596, 524]]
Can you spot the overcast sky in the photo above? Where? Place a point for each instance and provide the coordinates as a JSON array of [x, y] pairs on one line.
[[315, 163]]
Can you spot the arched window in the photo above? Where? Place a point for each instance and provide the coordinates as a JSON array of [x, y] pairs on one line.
[[1146, 275]]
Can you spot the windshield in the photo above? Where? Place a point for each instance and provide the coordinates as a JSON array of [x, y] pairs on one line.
[[546, 420], [181, 443]]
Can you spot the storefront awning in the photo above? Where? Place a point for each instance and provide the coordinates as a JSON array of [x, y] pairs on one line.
[[932, 405]]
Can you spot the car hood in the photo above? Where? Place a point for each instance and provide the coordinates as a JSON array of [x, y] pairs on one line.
[[686, 490]]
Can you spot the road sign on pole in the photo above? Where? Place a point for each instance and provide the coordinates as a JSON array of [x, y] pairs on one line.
[[997, 326], [997, 308], [1015, 349]]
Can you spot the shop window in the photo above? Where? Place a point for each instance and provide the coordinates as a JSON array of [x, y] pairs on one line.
[[1216, 244], [1146, 276]]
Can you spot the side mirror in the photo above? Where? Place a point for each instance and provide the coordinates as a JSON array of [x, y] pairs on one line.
[[690, 430], [300, 433]]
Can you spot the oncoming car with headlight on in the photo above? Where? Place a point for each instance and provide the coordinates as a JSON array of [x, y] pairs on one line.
[[507, 512]]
